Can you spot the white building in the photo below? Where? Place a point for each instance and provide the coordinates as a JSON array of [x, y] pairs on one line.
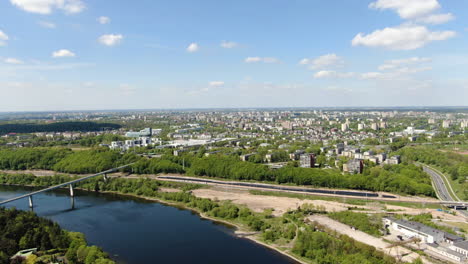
[[446, 123], [344, 127], [460, 247], [414, 229], [447, 252]]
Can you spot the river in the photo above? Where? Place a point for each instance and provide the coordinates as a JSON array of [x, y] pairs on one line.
[[135, 231]]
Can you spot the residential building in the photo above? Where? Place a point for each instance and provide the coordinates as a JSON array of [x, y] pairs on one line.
[[307, 160], [446, 123], [354, 166]]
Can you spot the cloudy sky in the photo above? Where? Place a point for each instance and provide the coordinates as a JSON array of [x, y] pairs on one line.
[[122, 54]]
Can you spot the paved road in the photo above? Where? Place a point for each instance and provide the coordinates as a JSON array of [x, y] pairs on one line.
[[361, 194], [439, 185], [441, 188]]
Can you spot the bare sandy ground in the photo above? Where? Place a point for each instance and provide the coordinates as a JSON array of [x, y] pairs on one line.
[[33, 172], [280, 205], [259, 203]]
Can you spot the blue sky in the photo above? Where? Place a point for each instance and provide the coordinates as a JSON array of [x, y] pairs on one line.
[[121, 54]]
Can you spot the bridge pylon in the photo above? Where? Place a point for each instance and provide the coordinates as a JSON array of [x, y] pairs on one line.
[[31, 205]]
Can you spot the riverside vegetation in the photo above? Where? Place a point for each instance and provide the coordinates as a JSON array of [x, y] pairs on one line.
[[22, 230], [309, 242], [403, 178]]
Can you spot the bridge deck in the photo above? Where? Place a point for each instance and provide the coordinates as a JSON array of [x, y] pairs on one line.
[[64, 184]]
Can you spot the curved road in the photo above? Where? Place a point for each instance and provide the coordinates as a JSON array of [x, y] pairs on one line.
[[441, 188]]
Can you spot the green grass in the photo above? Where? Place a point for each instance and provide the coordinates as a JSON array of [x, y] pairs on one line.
[[352, 201]]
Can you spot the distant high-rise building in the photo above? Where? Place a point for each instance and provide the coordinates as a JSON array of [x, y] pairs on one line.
[[344, 127], [374, 126], [383, 124], [431, 121], [446, 123], [464, 124], [360, 126], [307, 160], [354, 166]]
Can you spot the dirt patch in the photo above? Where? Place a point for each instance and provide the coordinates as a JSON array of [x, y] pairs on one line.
[[259, 203], [38, 173], [169, 190]]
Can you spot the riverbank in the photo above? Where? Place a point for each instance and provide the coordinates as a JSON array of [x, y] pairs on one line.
[[236, 226], [240, 230]]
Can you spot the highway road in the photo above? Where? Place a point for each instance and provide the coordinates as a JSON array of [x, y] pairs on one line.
[[439, 185], [441, 188]]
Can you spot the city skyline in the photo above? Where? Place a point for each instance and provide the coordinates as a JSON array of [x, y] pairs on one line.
[[80, 55]]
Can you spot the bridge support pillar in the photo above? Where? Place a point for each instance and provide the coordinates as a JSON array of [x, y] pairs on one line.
[[72, 200], [31, 205], [71, 191], [105, 177]]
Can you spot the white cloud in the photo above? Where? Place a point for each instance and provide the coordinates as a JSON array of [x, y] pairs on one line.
[[88, 84], [404, 37], [13, 61], [323, 62], [193, 47], [46, 7], [126, 89], [436, 19], [252, 59], [393, 64], [216, 83], [104, 20], [372, 75], [333, 74], [407, 9], [46, 24], [62, 53], [338, 90], [110, 39], [403, 73], [228, 44], [260, 59], [3, 38]]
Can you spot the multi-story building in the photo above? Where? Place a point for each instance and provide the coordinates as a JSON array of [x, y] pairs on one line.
[[307, 160], [353, 166], [147, 132], [344, 127], [446, 123]]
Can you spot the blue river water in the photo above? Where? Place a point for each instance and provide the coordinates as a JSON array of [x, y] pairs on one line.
[[137, 231]]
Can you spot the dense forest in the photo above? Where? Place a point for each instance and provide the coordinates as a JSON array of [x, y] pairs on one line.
[[403, 178], [56, 127], [23, 230], [63, 160]]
